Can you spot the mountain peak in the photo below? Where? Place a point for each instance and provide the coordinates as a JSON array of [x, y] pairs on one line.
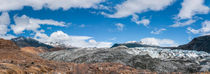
[[29, 42]]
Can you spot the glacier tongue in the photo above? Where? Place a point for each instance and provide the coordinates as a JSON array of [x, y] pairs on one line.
[[151, 58], [162, 53]]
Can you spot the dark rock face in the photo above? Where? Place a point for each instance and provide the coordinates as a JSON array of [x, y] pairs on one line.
[[29, 42], [200, 44], [132, 45]]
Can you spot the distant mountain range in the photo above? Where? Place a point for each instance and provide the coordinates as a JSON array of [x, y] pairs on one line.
[[199, 44], [132, 45]]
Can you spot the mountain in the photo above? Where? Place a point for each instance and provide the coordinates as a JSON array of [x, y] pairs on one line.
[[132, 45], [201, 43], [29, 42]]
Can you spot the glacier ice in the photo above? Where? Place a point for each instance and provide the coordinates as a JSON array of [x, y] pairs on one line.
[[163, 53]]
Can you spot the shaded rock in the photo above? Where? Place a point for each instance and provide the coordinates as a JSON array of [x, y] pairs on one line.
[[199, 44]]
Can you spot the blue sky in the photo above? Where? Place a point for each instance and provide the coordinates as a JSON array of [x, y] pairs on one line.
[[161, 22]]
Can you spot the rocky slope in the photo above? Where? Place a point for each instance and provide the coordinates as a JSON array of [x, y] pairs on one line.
[[29, 42], [34, 50], [151, 58], [8, 45], [200, 44], [14, 60]]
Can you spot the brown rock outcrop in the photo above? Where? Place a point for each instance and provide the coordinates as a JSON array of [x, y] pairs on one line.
[[8, 45]]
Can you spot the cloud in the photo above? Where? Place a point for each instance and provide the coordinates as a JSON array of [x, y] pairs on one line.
[[4, 22], [191, 8], [135, 18], [130, 7], [7, 5], [157, 31], [26, 23], [76, 41], [181, 24], [48, 22], [193, 30], [205, 29], [101, 7], [120, 26], [158, 42]]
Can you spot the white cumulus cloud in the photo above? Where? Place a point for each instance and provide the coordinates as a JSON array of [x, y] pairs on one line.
[[7, 5], [4, 22], [158, 42], [130, 7], [26, 23], [68, 40], [191, 8]]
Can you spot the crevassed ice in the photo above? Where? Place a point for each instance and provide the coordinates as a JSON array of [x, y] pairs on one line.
[[162, 53]]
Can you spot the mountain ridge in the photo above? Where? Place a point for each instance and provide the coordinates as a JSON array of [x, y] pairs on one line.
[[132, 45], [29, 42], [201, 43]]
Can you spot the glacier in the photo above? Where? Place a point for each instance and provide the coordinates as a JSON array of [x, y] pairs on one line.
[[163, 53], [151, 58]]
